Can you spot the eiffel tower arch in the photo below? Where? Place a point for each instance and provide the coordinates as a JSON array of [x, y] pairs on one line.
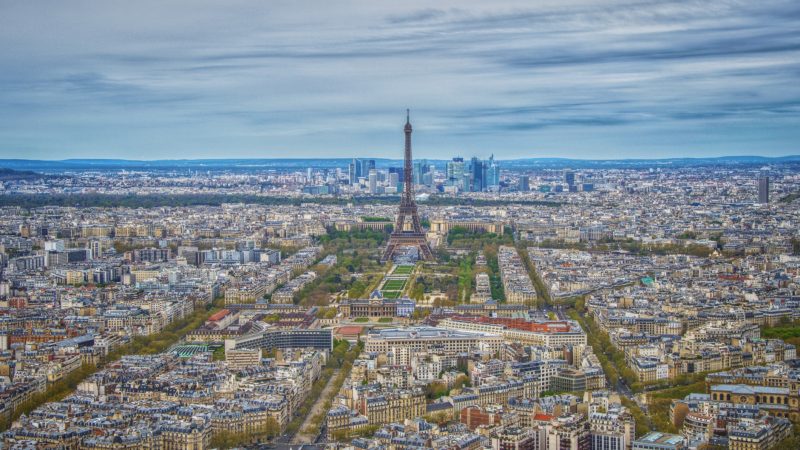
[[407, 230]]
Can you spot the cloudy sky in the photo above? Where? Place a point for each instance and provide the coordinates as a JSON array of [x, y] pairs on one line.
[[569, 78]]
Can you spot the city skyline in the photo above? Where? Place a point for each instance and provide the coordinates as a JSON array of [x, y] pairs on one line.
[[584, 80], [353, 225]]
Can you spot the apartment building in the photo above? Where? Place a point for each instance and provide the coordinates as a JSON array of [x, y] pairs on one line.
[[424, 339]]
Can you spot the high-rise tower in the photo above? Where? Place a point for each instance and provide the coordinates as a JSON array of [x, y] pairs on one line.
[[763, 188], [407, 230]]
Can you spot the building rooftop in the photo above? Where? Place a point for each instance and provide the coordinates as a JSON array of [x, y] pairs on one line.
[[422, 333]]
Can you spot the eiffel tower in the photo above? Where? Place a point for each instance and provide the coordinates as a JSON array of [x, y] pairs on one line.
[[407, 230]]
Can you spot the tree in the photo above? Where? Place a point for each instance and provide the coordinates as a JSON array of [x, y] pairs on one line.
[[436, 389], [461, 381], [326, 313], [420, 313], [219, 354], [439, 418], [681, 411]]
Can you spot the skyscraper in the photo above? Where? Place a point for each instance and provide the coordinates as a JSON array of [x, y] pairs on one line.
[[353, 171], [477, 173], [455, 173], [466, 182], [427, 178], [569, 177], [398, 180], [763, 188], [420, 169], [366, 166], [373, 181], [524, 183], [492, 173]]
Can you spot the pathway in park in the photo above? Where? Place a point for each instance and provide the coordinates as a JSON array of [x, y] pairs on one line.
[[308, 432]]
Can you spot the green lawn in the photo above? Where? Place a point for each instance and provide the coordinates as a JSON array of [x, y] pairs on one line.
[[403, 270], [391, 294], [361, 319], [385, 319], [394, 285]]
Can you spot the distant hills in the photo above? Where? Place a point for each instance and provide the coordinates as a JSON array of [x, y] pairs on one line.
[[646, 163], [14, 175], [20, 166]]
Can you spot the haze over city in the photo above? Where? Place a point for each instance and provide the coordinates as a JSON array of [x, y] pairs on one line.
[[578, 79]]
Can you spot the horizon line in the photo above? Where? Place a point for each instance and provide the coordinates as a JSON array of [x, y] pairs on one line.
[[732, 156]]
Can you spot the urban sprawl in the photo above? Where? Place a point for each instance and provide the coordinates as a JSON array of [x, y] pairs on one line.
[[644, 308]]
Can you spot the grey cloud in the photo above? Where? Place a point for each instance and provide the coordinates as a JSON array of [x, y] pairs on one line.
[[328, 78], [416, 16]]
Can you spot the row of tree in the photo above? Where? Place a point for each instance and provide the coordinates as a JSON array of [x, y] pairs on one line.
[[345, 355], [611, 359], [630, 246], [161, 200]]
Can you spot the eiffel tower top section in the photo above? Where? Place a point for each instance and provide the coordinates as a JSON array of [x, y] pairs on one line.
[[408, 185]]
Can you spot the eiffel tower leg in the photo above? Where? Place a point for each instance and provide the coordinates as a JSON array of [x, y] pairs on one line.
[[425, 252], [387, 254]]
